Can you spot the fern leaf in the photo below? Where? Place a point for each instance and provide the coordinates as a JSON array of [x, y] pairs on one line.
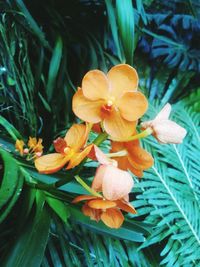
[[171, 189]]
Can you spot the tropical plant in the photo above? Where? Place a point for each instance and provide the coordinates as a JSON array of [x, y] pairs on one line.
[[46, 48]]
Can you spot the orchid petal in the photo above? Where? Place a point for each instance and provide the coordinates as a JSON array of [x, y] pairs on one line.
[[51, 163], [19, 145], [59, 145], [122, 78], [132, 105], [116, 183], [76, 136], [139, 158], [117, 127], [168, 132], [83, 197], [78, 157], [92, 213], [95, 85], [112, 218], [101, 204], [136, 172], [98, 178], [164, 113], [98, 155], [87, 109], [123, 205]]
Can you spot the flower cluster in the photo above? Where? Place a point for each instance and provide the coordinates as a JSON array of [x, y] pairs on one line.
[[32, 150], [111, 105]]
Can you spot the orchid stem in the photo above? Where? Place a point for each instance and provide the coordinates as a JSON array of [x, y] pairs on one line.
[[100, 138], [84, 185], [141, 135]]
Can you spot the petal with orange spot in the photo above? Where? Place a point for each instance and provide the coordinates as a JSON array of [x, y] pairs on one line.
[[122, 78], [51, 163], [87, 109], [113, 218], [101, 204], [97, 128], [95, 85], [125, 206], [78, 157], [117, 127], [59, 145], [132, 105], [82, 197]]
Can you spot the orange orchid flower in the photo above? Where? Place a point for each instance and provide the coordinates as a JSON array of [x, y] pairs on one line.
[[112, 99], [115, 185], [69, 150], [106, 210], [136, 159]]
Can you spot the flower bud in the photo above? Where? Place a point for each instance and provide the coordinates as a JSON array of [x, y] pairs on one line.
[[165, 130], [113, 182]]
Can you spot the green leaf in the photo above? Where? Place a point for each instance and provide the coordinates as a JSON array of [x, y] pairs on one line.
[[44, 102], [114, 28], [11, 185], [141, 10], [10, 177], [32, 23], [54, 68], [10, 81], [125, 19], [59, 208], [28, 249], [10, 129]]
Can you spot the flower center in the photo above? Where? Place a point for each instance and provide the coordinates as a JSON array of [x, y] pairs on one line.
[[109, 103], [67, 150], [107, 108]]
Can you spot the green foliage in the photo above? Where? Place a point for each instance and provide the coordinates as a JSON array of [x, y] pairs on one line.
[[46, 47], [28, 249], [193, 100], [125, 18], [170, 198], [11, 184], [81, 247]]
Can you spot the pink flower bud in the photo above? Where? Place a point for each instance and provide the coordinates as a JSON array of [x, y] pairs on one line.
[[38, 154], [113, 182], [26, 150], [165, 130]]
